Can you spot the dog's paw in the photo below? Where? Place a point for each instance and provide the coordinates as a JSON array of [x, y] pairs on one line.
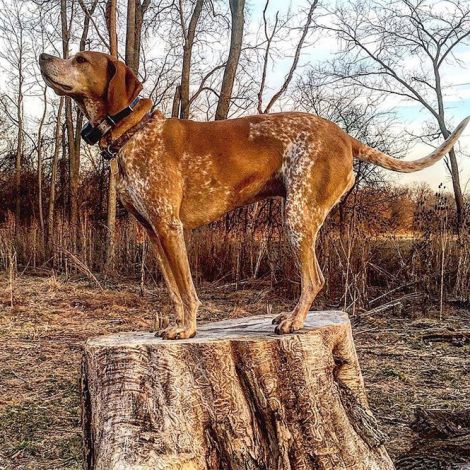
[[177, 332], [162, 329], [281, 317], [288, 325]]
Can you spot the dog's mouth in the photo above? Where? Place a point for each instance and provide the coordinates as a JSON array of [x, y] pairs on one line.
[[55, 84]]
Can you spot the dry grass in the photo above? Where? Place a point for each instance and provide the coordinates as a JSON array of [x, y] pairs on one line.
[[42, 335]]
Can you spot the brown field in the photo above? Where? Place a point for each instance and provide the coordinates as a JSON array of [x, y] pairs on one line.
[[43, 333]]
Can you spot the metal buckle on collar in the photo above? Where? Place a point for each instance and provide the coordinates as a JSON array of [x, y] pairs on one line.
[[104, 127], [108, 153]]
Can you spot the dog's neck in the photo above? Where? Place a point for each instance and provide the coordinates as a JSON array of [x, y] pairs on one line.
[[143, 107], [96, 111]]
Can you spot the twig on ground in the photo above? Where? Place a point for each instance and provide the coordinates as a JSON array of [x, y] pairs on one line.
[[82, 267]]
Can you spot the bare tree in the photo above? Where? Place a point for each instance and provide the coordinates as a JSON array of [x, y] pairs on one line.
[[130, 34], [20, 138], [379, 39], [141, 8], [74, 156], [53, 180], [237, 10], [132, 55], [40, 147], [269, 37], [135, 17], [181, 101], [88, 15], [17, 58], [111, 22]]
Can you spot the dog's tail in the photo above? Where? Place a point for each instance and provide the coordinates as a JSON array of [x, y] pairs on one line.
[[368, 154]]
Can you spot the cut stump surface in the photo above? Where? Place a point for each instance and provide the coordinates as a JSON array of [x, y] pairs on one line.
[[235, 397]]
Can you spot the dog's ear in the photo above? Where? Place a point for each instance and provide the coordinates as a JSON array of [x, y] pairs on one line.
[[123, 86]]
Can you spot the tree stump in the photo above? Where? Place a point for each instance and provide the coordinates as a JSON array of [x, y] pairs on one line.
[[235, 397]]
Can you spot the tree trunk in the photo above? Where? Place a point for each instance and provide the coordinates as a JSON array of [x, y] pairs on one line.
[[73, 168], [135, 15], [236, 397], [459, 199], [39, 144], [111, 218], [175, 109], [130, 35], [20, 135], [19, 148], [454, 166], [111, 22], [74, 163], [140, 10], [189, 36], [79, 115], [237, 8], [52, 195]]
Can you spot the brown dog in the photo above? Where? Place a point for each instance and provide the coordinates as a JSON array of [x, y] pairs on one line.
[[176, 174]]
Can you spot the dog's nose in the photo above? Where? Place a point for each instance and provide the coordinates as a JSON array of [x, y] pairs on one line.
[[45, 57]]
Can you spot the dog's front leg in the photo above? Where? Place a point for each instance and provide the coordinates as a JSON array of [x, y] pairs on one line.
[[170, 282], [171, 240]]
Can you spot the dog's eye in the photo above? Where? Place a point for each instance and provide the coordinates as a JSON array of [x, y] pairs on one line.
[[80, 59]]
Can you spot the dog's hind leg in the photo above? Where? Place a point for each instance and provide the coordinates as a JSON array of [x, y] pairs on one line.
[[308, 202], [302, 230]]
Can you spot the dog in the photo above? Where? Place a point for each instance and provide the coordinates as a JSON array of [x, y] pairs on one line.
[[178, 174]]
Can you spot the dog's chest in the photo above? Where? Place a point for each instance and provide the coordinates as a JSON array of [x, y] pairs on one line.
[[132, 189], [142, 174]]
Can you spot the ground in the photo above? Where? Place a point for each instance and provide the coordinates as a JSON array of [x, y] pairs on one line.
[[43, 330]]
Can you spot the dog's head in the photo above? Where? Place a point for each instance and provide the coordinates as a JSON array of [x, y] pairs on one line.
[[99, 83]]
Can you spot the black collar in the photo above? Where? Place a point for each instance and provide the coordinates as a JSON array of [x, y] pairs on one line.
[[113, 148], [92, 134]]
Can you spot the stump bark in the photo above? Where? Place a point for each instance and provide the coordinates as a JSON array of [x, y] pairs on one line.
[[235, 397]]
